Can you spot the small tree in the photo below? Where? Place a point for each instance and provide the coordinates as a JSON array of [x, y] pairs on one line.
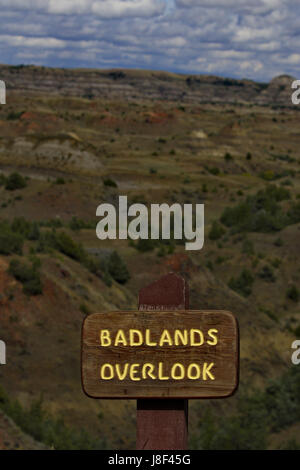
[[243, 283], [117, 268], [216, 231], [15, 181], [293, 293]]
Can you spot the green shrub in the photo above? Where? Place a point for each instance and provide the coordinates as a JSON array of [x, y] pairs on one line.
[[268, 175], [204, 188], [2, 180], [293, 293], [243, 283], [259, 213], [276, 262], [10, 242], [15, 181], [34, 232], [67, 246], [266, 273], [248, 247], [14, 115], [28, 275], [52, 223], [117, 268], [84, 309], [259, 413], [297, 331], [216, 231], [76, 224], [214, 170], [33, 286], [110, 182], [60, 180], [294, 213], [45, 428], [144, 245], [21, 225], [278, 242], [46, 242], [228, 157]]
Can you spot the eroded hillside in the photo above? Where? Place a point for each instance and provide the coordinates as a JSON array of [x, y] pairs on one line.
[[73, 153]]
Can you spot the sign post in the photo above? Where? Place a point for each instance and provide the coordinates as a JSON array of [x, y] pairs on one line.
[[162, 355], [169, 416]]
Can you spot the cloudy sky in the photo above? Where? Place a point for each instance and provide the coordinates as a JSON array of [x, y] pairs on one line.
[[257, 39]]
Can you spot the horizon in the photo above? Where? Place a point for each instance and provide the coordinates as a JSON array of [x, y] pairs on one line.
[[133, 69]]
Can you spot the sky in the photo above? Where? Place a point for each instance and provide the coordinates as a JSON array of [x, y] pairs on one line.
[[256, 39]]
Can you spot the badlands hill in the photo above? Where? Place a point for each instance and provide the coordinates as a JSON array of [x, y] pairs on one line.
[[77, 138]]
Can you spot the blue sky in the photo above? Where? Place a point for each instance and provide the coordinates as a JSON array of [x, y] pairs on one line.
[[255, 39]]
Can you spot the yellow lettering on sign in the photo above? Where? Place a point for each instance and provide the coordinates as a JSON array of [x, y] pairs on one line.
[[160, 372], [120, 338], [147, 370], [137, 371], [206, 371], [133, 372], [148, 339], [132, 334], [103, 374], [193, 375], [213, 336], [165, 338], [105, 338], [180, 375], [122, 374], [194, 332], [181, 337]]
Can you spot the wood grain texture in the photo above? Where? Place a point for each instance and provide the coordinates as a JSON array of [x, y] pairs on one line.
[[170, 417], [224, 355]]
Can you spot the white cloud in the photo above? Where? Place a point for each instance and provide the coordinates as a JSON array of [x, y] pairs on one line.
[[216, 3], [21, 41], [128, 8], [254, 38], [68, 6], [263, 5], [101, 8]]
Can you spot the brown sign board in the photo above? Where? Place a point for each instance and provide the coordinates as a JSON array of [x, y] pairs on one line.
[[160, 354]]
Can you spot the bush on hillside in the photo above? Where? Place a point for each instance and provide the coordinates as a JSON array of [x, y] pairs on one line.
[[260, 213], [243, 283], [15, 181], [110, 182], [259, 413], [216, 231], [117, 268], [10, 242], [267, 274], [28, 275], [45, 428], [293, 293]]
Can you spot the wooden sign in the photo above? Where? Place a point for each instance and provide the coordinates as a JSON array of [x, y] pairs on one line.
[[160, 354]]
